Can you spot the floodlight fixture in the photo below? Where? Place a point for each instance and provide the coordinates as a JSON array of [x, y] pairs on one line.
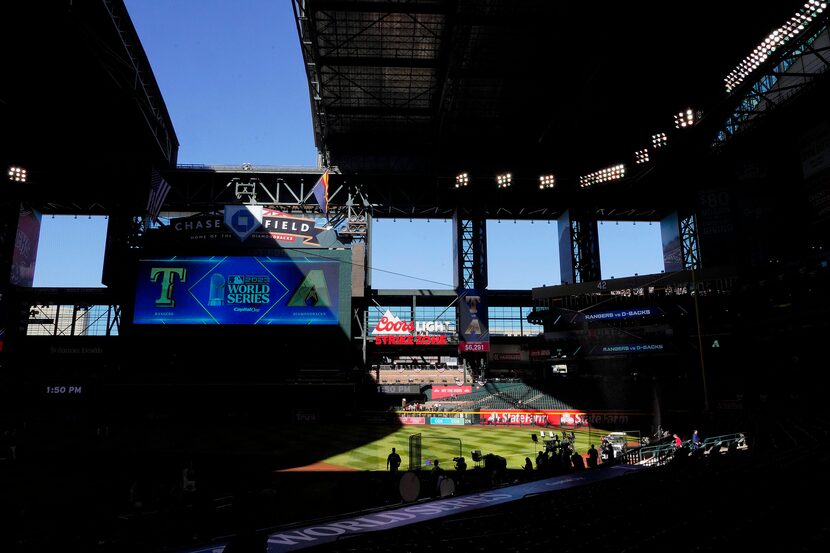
[[641, 156], [547, 181], [659, 140], [17, 174], [504, 180], [685, 119], [462, 180], [791, 29], [615, 172]]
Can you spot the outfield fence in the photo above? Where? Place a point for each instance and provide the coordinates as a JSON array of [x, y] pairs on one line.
[[611, 420]]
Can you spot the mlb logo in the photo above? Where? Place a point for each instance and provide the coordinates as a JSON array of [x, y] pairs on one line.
[[236, 279], [243, 220]]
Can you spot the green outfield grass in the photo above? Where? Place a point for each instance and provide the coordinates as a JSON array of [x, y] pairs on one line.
[[352, 446], [441, 442]]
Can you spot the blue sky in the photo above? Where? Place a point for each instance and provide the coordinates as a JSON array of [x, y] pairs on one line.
[[232, 77]]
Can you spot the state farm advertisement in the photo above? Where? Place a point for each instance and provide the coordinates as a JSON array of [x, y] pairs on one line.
[[538, 418], [412, 420], [439, 392]]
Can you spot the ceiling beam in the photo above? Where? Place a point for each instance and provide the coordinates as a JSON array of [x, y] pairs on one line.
[[380, 111], [378, 7], [367, 61]]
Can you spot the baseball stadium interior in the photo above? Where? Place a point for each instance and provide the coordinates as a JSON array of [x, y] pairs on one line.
[[237, 382]]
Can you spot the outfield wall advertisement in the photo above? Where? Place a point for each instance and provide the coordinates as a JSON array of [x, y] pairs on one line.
[[450, 421], [436, 421], [571, 419], [267, 290], [439, 392], [554, 418]]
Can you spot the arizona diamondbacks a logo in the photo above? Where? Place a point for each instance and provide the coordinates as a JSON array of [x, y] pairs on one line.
[[312, 291]]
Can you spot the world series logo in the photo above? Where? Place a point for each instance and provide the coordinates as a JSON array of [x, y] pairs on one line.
[[239, 289]]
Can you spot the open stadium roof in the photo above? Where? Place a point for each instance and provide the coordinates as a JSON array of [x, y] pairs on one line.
[[408, 88], [440, 87]]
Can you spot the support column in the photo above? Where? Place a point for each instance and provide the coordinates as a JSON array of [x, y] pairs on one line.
[[670, 235], [19, 236], [8, 231], [681, 250], [469, 251], [358, 230], [470, 279], [689, 245], [713, 229], [578, 248], [124, 234]]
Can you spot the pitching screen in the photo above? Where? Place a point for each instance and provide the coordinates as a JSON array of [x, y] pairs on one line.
[[293, 289]]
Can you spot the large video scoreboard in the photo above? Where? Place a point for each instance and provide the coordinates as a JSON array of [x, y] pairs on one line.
[[287, 288]]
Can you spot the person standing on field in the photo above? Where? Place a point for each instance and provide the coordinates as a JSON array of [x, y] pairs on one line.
[[393, 461]]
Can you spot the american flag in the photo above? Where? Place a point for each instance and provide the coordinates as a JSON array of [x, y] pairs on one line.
[[158, 193], [321, 191]]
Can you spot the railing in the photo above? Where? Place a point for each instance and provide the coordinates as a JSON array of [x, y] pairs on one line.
[[247, 167], [718, 444], [653, 455], [658, 455]]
